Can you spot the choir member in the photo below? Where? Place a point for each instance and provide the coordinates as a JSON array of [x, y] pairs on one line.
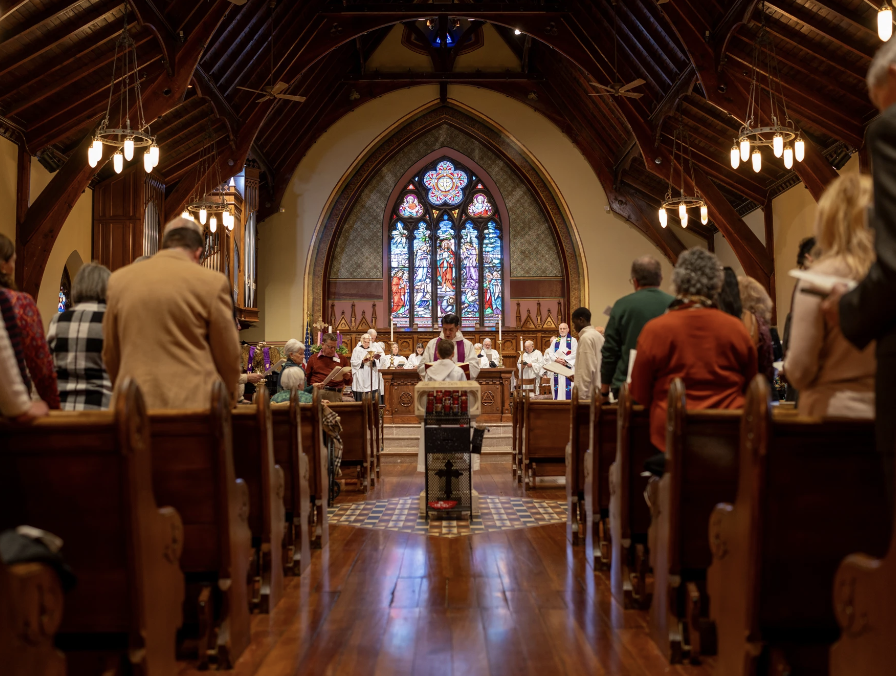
[[365, 371], [530, 365], [393, 360], [415, 359]]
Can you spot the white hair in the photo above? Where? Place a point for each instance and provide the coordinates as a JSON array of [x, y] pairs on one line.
[[292, 346], [371, 332], [885, 57], [529, 342], [292, 378], [488, 339], [478, 344]]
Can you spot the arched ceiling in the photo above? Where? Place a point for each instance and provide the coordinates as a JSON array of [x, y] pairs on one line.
[[56, 57]]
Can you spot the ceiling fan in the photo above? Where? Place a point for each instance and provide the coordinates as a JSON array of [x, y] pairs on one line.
[[272, 91], [617, 88]]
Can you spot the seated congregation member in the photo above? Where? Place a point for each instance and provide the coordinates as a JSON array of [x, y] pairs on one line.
[[415, 359], [365, 375], [393, 360], [169, 324], [708, 349], [757, 313], [76, 340], [588, 354], [562, 351], [14, 399], [445, 369], [529, 367], [292, 379], [318, 367], [26, 330], [628, 316], [728, 298], [463, 348], [491, 355], [834, 378], [294, 351]]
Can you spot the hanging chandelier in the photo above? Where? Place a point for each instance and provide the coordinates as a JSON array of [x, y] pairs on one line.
[[683, 202], [209, 200], [124, 138], [781, 135]]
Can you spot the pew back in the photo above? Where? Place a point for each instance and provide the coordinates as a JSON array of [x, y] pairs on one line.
[[318, 480], [544, 450], [602, 434], [355, 437], [579, 437]]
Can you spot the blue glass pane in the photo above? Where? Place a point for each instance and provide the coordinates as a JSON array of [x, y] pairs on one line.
[[492, 263], [411, 207], [398, 253], [422, 275], [446, 261], [445, 184], [469, 258]]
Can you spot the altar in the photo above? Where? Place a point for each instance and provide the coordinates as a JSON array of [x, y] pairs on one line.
[[399, 395]]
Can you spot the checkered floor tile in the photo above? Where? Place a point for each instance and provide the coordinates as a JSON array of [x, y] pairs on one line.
[[498, 513]]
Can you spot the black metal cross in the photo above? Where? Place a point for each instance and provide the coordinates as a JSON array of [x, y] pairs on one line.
[[448, 474]]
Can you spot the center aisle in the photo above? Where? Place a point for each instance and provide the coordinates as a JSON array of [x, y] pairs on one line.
[[513, 602]]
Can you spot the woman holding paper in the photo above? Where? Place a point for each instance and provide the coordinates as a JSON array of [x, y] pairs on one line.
[[561, 355], [833, 377]]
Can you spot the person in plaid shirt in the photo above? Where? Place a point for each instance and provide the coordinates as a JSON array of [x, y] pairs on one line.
[[76, 340]]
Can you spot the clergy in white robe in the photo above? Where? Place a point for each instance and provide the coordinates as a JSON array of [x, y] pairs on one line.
[[365, 374], [393, 360], [463, 348], [561, 351], [530, 365], [380, 348], [415, 359], [491, 356]]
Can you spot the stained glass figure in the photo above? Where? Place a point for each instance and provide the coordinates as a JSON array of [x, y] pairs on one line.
[[445, 184], [480, 207], [401, 308], [469, 256], [491, 269], [411, 207], [423, 275], [446, 263]]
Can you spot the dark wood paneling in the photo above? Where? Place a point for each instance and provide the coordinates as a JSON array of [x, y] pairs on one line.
[[537, 288], [355, 289]]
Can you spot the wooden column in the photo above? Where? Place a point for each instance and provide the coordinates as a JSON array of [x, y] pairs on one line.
[[769, 219]]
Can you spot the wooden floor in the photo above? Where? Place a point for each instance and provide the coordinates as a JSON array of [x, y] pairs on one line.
[[515, 602]]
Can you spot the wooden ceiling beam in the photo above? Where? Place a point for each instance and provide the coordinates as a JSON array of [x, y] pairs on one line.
[[253, 38], [866, 24], [231, 37], [40, 19], [455, 77], [802, 15], [738, 14], [50, 209], [9, 7], [174, 163]]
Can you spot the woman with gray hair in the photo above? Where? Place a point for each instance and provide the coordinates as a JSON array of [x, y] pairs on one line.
[[76, 341], [295, 356], [695, 341]]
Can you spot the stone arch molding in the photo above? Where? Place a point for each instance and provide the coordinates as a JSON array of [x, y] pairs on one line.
[[476, 130]]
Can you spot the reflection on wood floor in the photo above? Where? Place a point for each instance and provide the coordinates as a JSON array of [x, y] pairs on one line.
[[514, 602]]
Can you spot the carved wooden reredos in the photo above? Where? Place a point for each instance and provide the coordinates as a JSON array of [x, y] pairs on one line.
[[554, 255]]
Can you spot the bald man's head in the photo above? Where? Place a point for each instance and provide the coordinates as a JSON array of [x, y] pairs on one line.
[[646, 272]]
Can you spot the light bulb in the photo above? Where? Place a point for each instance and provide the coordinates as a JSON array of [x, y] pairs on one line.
[[129, 148], [800, 149], [788, 156], [154, 152], [704, 214], [213, 223], [682, 211], [92, 158], [885, 22], [147, 162], [744, 149], [185, 214], [778, 145], [203, 214], [517, 31], [118, 161], [735, 157], [664, 218], [230, 223], [757, 161], [684, 220], [98, 147]]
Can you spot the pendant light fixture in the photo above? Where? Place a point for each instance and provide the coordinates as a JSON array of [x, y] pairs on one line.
[[680, 141], [885, 22], [124, 136], [209, 196], [780, 131]]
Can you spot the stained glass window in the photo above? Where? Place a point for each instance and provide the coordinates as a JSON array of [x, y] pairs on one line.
[[445, 250]]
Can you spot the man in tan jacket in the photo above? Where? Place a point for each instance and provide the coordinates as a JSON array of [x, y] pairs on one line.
[[169, 324]]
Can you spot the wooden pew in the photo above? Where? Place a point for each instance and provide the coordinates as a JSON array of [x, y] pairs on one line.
[[87, 477], [355, 438], [193, 470], [865, 606], [253, 460], [31, 608], [629, 513], [516, 418], [597, 461], [701, 471], [579, 440], [809, 493], [371, 401], [318, 479], [544, 449], [288, 454]]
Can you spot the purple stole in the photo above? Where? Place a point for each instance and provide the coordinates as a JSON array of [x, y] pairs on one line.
[[461, 350], [267, 357]]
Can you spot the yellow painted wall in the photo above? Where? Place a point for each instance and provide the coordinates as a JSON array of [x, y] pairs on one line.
[[493, 57], [393, 57], [8, 159]]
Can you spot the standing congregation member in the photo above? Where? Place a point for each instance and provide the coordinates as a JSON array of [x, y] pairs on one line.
[[76, 339], [319, 366], [492, 356], [14, 399], [708, 349], [393, 360], [26, 330], [529, 366], [833, 376], [169, 324], [415, 359], [628, 316], [463, 348], [804, 260], [728, 298], [757, 313], [868, 312], [562, 351], [365, 375], [588, 354]]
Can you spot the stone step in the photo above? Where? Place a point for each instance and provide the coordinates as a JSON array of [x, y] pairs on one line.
[[405, 431], [414, 443]]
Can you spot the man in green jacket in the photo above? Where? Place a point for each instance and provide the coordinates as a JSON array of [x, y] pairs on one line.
[[627, 318]]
